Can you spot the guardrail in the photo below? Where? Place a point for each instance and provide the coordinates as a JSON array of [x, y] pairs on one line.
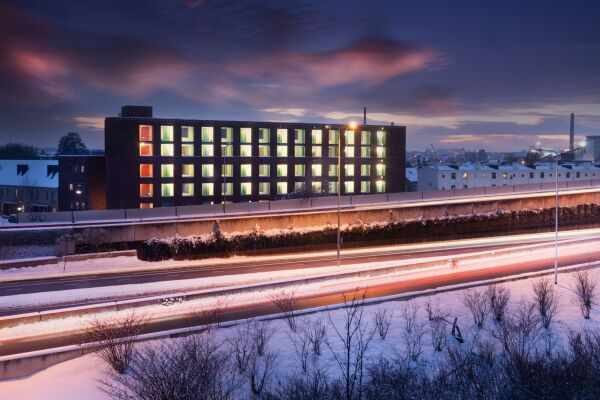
[[138, 215]]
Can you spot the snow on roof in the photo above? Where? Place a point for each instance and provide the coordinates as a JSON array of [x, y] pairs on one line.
[[412, 174], [33, 173], [546, 166]]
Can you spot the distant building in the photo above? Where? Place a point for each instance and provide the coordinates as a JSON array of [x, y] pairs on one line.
[[592, 149], [412, 180], [28, 186], [82, 182]]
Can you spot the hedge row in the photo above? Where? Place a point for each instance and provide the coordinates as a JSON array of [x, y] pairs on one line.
[[392, 231]]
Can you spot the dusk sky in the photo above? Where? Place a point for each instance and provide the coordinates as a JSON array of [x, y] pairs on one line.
[[476, 74]]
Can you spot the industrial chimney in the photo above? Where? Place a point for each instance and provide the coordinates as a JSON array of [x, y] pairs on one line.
[[572, 134]]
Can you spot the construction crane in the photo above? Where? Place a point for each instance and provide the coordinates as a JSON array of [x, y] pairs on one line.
[[436, 153]]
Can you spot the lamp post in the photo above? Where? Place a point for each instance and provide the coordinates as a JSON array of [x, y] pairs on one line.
[[352, 126], [556, 223]]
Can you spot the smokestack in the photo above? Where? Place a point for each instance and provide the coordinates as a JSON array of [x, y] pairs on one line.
[[364, 115], [572, 134]]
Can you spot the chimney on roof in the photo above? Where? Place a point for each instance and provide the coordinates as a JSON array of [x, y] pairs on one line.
[[364, 115], [572, 134]]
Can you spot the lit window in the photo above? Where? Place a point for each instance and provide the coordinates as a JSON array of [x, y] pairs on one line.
[[264, 150], [365, 186], [333, 151], [167, 190], [208, 189], [146, 205], [187, 150], [282, 187], [349, 151], [246, 135], [316, 187], [208, 134], [349, 170], [145, 149], [264, 170], [333, 187], [349, 187], [365, 151], [381, 138], [146, 171], [334, 136], [333, 170], [166, 170], [187, 170], [245, 150], [226, 135], [317, 170], [166, 133], [281, 151], [365, 138], [282, 169], [380, 151], [365, 170], [187, 189], [264, 188], [299, 170], [146, 190], [380, 186], [145, 133], [246, 170], [227, 150], [246, 188], [349, 137], [299, 186], [227, 189], [208, 170], [264, 135], [299, 136], [380, 169], [166, 150], [187, 133], [317, 151], [227, 170], [207, 150], [299, 151], [282, 136], [317, 136]]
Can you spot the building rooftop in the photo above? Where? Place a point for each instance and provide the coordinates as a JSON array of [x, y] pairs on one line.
[[33, 173]]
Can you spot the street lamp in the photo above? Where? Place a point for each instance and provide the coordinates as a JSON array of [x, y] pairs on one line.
[[351, 125]]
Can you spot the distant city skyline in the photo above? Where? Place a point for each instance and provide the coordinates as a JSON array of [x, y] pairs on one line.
[[470, 74]]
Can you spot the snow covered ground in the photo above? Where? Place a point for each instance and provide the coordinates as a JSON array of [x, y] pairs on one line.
[[79, 378]]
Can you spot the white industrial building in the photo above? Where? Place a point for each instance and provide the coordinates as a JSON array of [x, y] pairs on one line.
[[28, 186], [472, 175]]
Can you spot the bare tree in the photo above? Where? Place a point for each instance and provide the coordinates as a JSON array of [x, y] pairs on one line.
[[353, 337], [585, 292], [241, 345], [546, 300], [438, 320], [214, 314], [260, 370], [302, 347], [113, 339], [498, 297], [413, 331], [519, 335], [261, 334], [286, 303], [477, 303], [382, 320], [316, 334]]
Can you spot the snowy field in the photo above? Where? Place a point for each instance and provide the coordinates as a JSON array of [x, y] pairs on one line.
[[77, 379]]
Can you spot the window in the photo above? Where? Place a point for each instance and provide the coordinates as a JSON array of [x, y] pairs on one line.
[[246, 150], [281, 151], [316, 187], [167, 190], [380, 170], [208, 170], [317, 169], [146, 205], [381, 138], [334, 136], [227, 189], [317, 151], [365, 138], [299, 186], [246, 170], [299, 151], [380, 152], [282, 136], [246, 188], [246, 135], [380, 186], [333, 187], [365, 151], [349, 151], [166, 170], [166, 150], [333, 170], [349, 137], [493, 175], [187, 150], [146, 171], [208, 134], [349, 170], [187, 133], [187, 189], [282, 170], [317, 136], [365, 186], [146, 190], [264, 170], [166, 133], [227, 170], [187, 170], [207, 150], [333, 151], [282, 188], [226, 150], [264, 135], [299, 136], [145, 149], [208, 189], [145, 133], [349, 187], [365, 170], [299, 170], [264, 150], [226, 135], [264, 188], [452, 175]]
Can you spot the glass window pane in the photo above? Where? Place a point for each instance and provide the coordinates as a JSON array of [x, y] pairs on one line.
[[349, 137], [264, 135], [246, 170], [333, 170], [264, 170], [187, 150], [264, 188], [187, 133], [365, 170], [264, 150], [208, 150], [146, 205], [281, 151], [334, 136], [299, 151], [246, 150], [365, 186], [317, 151], [166, 150], [317, 170], [146, 190], [380, 151], [208, 170], [146, 171], [333, 187], [317, 136], [365, 137], [282, 136], [299, 170], [380, 186], [187, 189], [299, 136], [282, 169], [349, 170], [208, 134], [380, 170], [226, 135], [381, 138], [349, 187], [365, 152], [246, 188], [349, 151], [282, 187], [145, 133], [208, 189], [246, 135], [299, 186], [316, 187], [187, 170], [333, 151], [166, 170], [166, 133], [145, 149], [227, 170], [167, 190], [227, 189], [227, 150]]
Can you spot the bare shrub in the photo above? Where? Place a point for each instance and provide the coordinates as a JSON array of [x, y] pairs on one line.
[[214, 314], [353, 337], [261, 334], [498, 297], [477, 303], [314, 385], [585, 292], [546, 300], [382, 319], [413, 331], [242, 346], [113, 339], [438, 321], [302, 347], [260, 370], [316, 335], [519, 335], [286, 303]]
